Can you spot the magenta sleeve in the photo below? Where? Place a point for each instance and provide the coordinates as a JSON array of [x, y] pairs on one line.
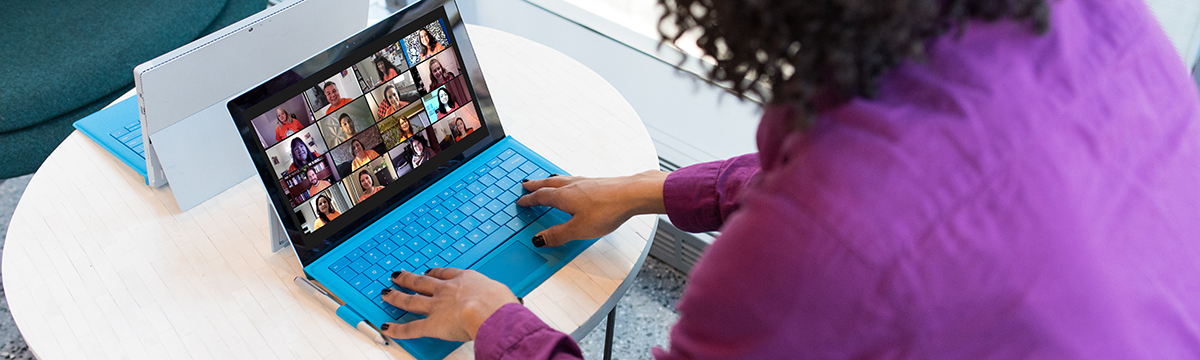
[[700, 197], [515, 333]]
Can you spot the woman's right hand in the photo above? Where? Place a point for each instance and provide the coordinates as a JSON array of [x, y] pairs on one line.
[[597, 205]]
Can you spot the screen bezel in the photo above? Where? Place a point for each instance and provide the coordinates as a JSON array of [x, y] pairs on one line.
[[334, 59]]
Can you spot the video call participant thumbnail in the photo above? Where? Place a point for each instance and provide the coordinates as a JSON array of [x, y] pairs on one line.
[[419, 151], [325, 210], [426, 42], [347, 122], [438, 70], [297, 152], [336, 101], [371, 178], [286, 120]]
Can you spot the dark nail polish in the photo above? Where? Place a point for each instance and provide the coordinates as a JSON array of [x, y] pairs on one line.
[[383, 327], [428, 270], [553, 175], [524, 181], [395, 274], [386, 291], [539, 241], [521, 300]]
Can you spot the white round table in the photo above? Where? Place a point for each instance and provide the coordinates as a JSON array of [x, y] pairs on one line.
[[98, 265]]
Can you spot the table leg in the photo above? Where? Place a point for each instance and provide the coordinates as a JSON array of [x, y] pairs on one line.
[[608, 333]]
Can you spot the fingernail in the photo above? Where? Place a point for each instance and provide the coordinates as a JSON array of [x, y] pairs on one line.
[[395, 274], [428, 270], [524, 181], [539, 241], [386, 291], [521, 300], [553, 175], [383, 327]]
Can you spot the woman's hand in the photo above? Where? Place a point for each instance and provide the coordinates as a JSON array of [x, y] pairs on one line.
[[597, 205], [454, 301]]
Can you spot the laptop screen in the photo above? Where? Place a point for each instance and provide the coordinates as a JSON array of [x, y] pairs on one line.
[[352, 139]]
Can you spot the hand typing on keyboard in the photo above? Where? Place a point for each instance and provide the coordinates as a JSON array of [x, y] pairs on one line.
[[454, 301], [597, 205]]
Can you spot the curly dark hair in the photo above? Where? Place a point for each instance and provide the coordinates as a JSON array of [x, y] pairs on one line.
[[812, 54]]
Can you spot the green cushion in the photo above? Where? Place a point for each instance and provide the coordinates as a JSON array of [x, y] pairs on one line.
[[62, 57]]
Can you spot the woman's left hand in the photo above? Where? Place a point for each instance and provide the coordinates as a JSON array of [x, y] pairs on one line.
[[454, 301]]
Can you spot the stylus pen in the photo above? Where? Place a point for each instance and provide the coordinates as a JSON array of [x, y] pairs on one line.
[[345, 312]]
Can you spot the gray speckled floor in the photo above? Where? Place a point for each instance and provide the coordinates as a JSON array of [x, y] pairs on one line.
[[644, 315], [12, 346]]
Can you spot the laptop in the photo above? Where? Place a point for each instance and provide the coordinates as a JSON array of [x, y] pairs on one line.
[[385, 153], [118, 129]]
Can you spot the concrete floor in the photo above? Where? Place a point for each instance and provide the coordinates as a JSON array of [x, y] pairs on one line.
[[644, 315]]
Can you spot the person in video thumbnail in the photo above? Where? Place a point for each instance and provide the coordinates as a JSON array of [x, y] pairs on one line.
[[390, 102], [386, 70], [301, 155], [439, 73], [429, 43], [317, 184], [325, 211], [418, 148], [368, 185], [336, 101], [347, 126], [361, 156], [288, 124], [446, 102], [459, 129], [406, 129]]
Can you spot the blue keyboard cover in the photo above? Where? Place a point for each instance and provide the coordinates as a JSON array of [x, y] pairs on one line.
[[453, 223]]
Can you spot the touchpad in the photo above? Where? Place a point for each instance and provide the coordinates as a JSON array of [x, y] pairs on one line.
[[512, 265]]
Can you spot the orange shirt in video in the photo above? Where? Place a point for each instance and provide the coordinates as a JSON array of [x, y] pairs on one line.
[[282, 131], [339, 104]]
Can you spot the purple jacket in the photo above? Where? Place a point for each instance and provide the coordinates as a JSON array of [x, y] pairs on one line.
[[1014, 196]]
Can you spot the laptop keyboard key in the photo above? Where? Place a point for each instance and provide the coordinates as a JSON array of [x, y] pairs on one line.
[[495, 206], [436, 262], [512, 163], [488, 226], [449, 254], [373, 256], [462, 245], [338, 265], [492, 191], [360, 282], [386, 246], [430, 250], [468, 208], [346, 273], [389, 262], [539, 174], [496, 161], [414, 244], [475, 236], [360, 265], [455, 216], [426, 220], [482, 214], [375, 272], [528, 167], [508, 198], [516, 224], [469, 223], [456, 232], [475, 188], [442, 225], [518, 174], [439, 212], [443, 241]]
